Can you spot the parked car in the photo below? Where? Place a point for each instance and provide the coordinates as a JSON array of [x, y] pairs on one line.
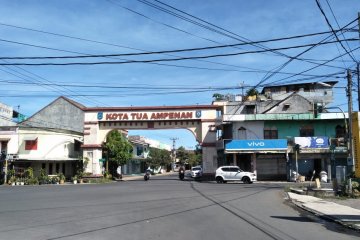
[[196, 171], [233, 173]]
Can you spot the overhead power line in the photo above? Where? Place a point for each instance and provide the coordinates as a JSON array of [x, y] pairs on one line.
[[238, 38], [309, 69], [151, 87], [332, 29], [267, 77], [171, 65], [158, 52], [169, 59], [210, 26]]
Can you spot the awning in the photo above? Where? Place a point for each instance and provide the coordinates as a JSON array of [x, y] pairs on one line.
[[256, 151], [4, 139], [78, 140], [30, 138]]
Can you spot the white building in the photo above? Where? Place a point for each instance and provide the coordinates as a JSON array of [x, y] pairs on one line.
[[50, 139]]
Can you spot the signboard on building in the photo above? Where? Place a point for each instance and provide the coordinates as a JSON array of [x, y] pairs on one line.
[[6, 111], [356, 142], [260, 145], [145, 116], [312, 142]]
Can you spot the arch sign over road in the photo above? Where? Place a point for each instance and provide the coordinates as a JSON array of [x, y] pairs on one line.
[[199, 119]]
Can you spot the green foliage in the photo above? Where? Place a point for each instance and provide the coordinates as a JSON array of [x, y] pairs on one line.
[[43, 177], [11, 179], [159, 157], [42, 172], [81, 166], [61, 176], [107, 175], [118, 148], [11, 172], [54, 180], [218, 96], [182, 155], [29, 172], [98, 180], [194, 159], [252, 92], [32, 181]]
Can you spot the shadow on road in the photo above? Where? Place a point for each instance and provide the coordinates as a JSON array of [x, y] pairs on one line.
[[297, 219]]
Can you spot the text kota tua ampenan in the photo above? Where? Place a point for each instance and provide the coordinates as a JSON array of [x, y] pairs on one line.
[[148, 116]]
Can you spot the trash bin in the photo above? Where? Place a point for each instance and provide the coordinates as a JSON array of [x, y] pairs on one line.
[[323, 176]]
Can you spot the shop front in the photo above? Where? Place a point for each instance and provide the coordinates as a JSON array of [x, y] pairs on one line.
[[310, 157], [266, 157]]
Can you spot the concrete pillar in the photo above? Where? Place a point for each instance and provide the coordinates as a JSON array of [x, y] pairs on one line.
[[209, 159], [253, 162]]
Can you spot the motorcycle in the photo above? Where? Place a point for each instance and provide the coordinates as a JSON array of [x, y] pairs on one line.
[[181, 174], [147, 175]]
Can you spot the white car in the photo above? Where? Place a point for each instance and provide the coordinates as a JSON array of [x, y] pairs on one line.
[[233, 173], [196, 171]]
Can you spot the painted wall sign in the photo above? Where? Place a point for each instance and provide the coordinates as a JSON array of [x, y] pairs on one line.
[[312, 142], [262, 144], [136, 116]]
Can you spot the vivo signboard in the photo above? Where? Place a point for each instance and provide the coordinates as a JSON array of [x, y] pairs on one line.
[[312, 142], [263, 144]]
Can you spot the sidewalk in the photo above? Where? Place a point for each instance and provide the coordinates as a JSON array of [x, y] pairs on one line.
[[345, 215], [141, 176]]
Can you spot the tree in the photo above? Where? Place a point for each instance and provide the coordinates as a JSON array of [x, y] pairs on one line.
[[218, 96], [252, 92], [182, 155], [194, 159], [159, 157], [118, 148]]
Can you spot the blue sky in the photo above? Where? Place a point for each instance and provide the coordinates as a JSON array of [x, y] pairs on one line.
[[114, 22]]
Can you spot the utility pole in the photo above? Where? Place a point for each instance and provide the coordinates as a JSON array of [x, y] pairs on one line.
[[358, 82], [359, 22], [350, 145], [174, 149], [357, 67]]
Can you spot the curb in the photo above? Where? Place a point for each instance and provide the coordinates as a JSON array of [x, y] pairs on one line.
[[353, 226]]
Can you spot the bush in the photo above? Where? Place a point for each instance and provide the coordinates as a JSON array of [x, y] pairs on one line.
[[98, 180], [29, 172], [61, 176], [32, 181], [54, 180]]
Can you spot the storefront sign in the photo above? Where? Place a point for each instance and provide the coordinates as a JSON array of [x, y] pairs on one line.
[[356, 143], [312, 142], [263, 144], [138, 116]]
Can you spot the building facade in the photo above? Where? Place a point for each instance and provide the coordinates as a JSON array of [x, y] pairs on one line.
[[50, 139], [285, 129]]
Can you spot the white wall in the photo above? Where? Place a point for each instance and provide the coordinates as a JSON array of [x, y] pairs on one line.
[[254, 129], [50, 145]]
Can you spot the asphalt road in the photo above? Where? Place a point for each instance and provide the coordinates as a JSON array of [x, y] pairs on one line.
[[162, 208]]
